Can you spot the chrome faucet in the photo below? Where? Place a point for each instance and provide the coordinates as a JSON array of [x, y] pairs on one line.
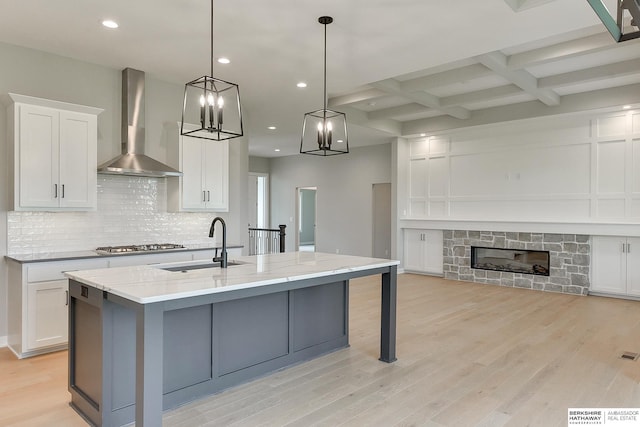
[[223, 258]]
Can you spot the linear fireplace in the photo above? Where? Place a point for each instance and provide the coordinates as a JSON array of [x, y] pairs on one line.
[[511, 260]]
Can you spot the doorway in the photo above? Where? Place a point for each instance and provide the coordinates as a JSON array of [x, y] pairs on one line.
[[381, 220], [306, 219], [258, 203]]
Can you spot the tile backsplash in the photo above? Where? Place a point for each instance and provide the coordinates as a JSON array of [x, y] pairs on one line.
[[131, 210]]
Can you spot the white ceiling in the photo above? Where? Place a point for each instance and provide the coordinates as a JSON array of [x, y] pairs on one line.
[[396, 67]]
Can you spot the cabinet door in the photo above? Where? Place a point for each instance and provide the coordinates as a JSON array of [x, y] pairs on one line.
[[608, 272], [78, 142], [37, 148], [216, 175], [433, 251], [47, 313], [633, 266], [193, 193], [414, 249]]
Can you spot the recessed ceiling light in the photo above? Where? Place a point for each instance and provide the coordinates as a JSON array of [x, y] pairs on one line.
[[110, 23], [423, 134], [339, 140], [301, 84], [277, 149], [626, 107], [223, 60], [271, 128]]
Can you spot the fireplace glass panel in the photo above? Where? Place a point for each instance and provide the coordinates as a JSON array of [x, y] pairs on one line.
[[511, 260]]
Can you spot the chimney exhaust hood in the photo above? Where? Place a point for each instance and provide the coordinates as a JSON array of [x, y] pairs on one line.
[[133, 161]]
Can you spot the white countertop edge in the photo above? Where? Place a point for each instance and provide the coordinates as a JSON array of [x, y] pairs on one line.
[[282, 278]]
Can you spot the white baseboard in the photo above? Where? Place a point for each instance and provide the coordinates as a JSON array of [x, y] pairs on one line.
[[3, 342]]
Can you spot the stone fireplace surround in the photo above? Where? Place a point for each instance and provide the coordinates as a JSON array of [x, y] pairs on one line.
[[569, 259]]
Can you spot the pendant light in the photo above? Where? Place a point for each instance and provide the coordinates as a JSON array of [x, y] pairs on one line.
[[324, 132], [211, 107]]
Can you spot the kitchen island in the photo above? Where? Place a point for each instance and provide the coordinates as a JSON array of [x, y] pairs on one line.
[[149, 338]]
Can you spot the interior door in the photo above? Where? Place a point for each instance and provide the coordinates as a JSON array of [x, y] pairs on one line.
[[382, 220], [306, 219]]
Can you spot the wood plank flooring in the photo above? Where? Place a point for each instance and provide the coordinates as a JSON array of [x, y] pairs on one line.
[[468, 355]]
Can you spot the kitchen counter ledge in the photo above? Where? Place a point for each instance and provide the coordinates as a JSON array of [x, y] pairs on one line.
[[150, 283], [66, 256]]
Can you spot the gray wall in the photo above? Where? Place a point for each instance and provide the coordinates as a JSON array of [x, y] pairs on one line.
[[44, 75], [344, 195], [259, 164]]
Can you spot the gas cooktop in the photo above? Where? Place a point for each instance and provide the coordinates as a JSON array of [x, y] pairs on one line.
[[149, 247]]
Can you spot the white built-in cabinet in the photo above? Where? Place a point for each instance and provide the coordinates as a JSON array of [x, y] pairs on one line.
[[615, 265], [38, 304], [423, 251], [54, 146], [38, 296], [204, 185], [47, 308]]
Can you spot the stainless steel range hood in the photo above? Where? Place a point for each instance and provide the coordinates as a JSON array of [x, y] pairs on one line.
[[133, 161]]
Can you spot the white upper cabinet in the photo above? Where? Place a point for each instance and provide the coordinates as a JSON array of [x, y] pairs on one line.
[[204, 185], [54, 154]]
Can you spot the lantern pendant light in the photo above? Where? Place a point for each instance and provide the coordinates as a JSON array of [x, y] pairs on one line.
[[211, 107], [324, 132]]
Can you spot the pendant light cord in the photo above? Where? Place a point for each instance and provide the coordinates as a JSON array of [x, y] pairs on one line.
[[211, 38], [325, 70]]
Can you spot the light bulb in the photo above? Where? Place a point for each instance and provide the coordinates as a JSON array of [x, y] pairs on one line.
[[210, 99], [202, 100], [220, 102]]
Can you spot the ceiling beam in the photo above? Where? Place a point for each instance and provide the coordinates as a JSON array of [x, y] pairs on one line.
[[356, 97], [401, 110], [482, 95], [619, 69], [360, 118], [565, 50], [600, 99], [393, 87], [446, 78], [497, 61]]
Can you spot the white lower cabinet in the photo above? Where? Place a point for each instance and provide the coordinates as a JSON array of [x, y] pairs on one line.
[[38, 296], [38, 304], [47, 313], [615, 265], [423, 251]]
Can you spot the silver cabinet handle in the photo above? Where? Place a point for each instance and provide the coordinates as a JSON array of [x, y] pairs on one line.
[[204, 196], [208, 196], [63, 191], [55, 191], [628, 248], [66, 297]]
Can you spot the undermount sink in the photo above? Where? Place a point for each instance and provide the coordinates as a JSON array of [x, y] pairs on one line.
[[185, 268]]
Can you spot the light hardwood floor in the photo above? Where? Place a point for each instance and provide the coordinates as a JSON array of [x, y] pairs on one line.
[[468, 355]]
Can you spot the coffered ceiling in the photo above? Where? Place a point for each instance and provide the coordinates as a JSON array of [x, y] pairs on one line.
[[396, 67]]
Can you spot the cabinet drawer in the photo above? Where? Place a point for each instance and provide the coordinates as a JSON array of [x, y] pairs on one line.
[[55, 270]]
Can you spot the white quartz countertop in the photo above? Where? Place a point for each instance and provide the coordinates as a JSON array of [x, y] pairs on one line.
[[150, 283]]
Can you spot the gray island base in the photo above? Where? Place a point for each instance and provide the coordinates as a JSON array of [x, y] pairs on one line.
[[143, 339]]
